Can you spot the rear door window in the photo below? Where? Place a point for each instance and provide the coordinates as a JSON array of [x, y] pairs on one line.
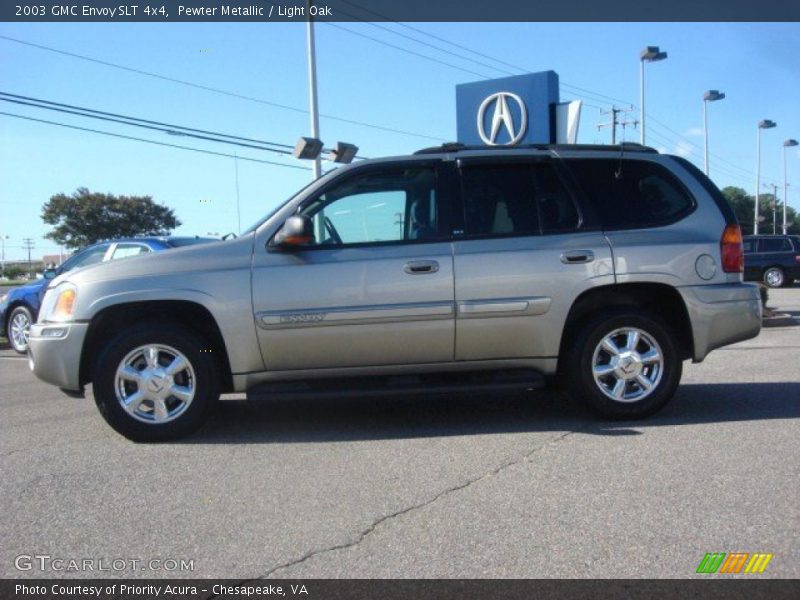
[[516, 199], [630, 194], [775, 245]]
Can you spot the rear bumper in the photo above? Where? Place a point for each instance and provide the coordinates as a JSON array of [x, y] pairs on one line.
[[57, 360], [721, 315]]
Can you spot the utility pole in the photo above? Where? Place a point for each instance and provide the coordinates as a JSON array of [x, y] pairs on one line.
[[774, 207], [312, 87], [28, 244], [616, 122]]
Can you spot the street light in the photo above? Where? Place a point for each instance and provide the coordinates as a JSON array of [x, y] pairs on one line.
[[765, 124], [649, 54], [787, 144], [709, 96]]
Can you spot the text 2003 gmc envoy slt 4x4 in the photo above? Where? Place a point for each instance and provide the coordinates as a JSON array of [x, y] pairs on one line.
[[599, 268]]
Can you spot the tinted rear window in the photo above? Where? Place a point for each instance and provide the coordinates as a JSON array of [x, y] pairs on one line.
[[775, 245], [630, 194]]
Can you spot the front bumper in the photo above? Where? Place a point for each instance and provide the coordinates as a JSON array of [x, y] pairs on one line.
[[722, 314], [57, 360]]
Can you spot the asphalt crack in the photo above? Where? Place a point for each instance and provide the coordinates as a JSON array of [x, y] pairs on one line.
[[451, 490]]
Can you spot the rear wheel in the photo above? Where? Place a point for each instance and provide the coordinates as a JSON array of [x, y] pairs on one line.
[[156, 383], [19, 328], [774, 277], [624, 365]]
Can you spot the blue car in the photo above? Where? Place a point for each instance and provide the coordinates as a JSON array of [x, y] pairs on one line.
[[20, 306]]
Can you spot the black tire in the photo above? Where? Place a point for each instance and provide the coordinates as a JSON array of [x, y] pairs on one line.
[[19, 313], [774, 277], [203, 375], [580, 358]]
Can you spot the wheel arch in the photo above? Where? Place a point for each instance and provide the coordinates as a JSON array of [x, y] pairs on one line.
[[663, 300], [191, 315]]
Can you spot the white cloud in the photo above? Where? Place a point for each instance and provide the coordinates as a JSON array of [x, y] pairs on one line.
[[694, 132]]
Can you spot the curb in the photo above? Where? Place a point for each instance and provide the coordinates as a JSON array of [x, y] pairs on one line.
[[778, 320]]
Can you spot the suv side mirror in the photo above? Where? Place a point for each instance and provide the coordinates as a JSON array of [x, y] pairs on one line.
[[49, 274], [296, 232]]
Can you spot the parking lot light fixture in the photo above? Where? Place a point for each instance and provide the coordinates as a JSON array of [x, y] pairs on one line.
[[787, 144], [709, 96], [765, 124], [649, 54]]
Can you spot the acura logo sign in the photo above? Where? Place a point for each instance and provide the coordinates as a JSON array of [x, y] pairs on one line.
[[502, 117]]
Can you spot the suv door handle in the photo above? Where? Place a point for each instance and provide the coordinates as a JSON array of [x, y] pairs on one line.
[[577, 256], [421, 267]]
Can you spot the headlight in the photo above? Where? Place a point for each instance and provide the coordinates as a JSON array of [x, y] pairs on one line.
[[59, 303]]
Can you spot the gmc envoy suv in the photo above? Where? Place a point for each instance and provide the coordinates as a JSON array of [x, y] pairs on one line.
[[599, 269]]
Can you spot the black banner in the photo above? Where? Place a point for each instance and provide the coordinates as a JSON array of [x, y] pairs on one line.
[[403, 589], [159, 11]]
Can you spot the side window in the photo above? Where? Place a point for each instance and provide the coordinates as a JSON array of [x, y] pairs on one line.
[[391, 205], [126, 250], [557, 210], [749, 246], [632, 193], [88, 257], [775, 245], [499, 200]]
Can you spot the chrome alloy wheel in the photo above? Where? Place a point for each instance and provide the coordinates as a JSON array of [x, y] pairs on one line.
[[773, 277], [155, 383], [627, 364], [19, 330]]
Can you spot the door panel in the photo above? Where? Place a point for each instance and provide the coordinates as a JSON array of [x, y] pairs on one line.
[[513, 295], [354, 307]]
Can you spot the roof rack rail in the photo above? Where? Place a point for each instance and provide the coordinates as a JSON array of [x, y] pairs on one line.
[[458, 147]]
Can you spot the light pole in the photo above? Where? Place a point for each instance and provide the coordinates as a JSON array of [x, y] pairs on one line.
[[765, 124], [649, 54], [787, 144], [312, 88], [709, 96]]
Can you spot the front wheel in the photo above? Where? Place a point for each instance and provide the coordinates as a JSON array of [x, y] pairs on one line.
[[624, 365], [156, 383]]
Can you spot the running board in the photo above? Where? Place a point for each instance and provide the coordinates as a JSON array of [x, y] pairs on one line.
[[402, 385]]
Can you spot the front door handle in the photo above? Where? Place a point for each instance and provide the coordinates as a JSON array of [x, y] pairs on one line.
[[574, 257], [421, 267]]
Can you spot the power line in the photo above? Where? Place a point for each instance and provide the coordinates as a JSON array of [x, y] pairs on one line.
[[137, 139], [217, 90], [136, 122], [406, 50]]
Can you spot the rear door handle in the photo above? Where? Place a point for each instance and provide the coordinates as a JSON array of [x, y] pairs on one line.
[[574, 257], [421, 267]]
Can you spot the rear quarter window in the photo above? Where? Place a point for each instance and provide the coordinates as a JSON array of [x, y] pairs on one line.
[[631, 194]]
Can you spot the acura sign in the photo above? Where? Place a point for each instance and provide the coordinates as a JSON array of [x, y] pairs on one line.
[[508, 111]]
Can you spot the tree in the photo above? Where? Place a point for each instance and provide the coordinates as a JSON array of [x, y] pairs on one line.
[[743, 205], [86, 217]]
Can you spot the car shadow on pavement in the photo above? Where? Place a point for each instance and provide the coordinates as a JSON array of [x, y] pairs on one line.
[[329, 420]]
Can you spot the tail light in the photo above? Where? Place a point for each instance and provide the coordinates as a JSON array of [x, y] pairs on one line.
[[731, 249], [797, 259]]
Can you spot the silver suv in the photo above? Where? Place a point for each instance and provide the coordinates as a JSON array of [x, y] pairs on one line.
[[599, 268]]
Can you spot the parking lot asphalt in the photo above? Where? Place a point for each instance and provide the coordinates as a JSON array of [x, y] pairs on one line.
[[489, 486]]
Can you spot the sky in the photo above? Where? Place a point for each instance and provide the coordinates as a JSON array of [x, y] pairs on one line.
[[378, 88]]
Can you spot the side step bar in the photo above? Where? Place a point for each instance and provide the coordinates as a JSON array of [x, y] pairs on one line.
[[403, 385]]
